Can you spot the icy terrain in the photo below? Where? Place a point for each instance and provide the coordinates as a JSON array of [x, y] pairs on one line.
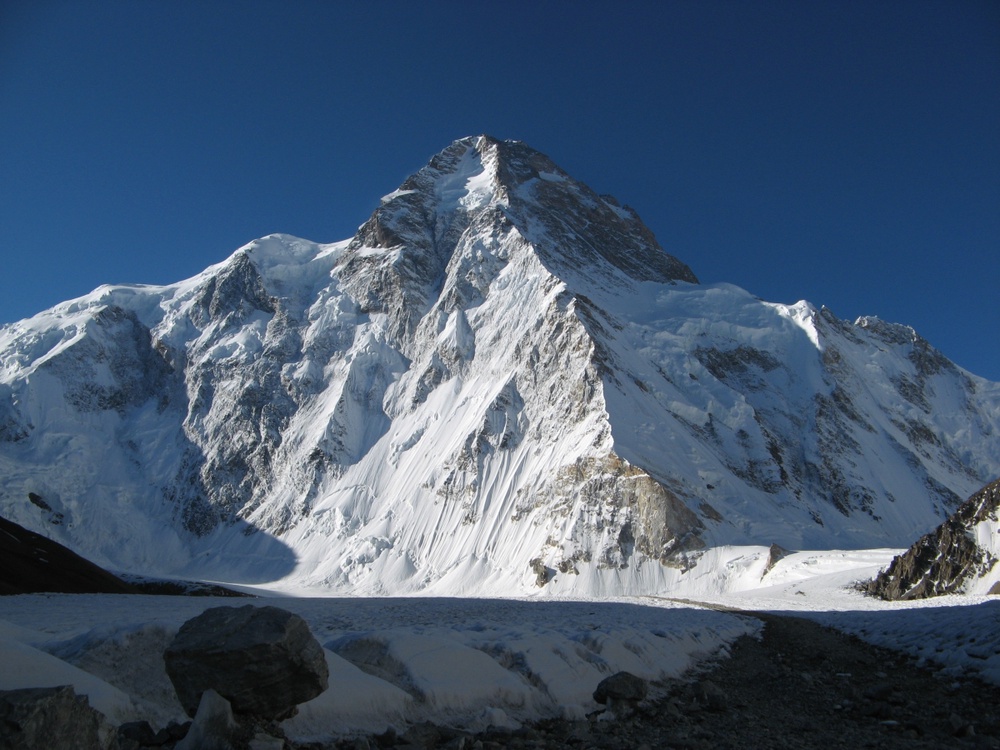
[[461, 662], [500, 383], [474, 663]]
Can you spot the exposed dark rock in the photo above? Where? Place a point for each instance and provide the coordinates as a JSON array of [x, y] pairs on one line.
[[172, 587], [543, 573], [136, 734], [622, 686], [31, 563], [263, 660], [708, 695], [774, 555], [51, 718], [943, 561]]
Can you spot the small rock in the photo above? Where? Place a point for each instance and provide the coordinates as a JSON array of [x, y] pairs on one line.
[[171, 733], [710, 696], [424, 735], [623, 686], [879, 692], [672, 710], [263, 741], [960, 727], [135, 734]]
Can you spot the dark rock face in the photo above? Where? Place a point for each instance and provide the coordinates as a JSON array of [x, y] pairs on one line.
[[263, 660], [617, 238], [622, 686], [944, 560], [51, 718], [31, 563]]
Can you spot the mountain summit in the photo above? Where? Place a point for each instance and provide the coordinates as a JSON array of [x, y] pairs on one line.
[[481, 186], [500, 382]]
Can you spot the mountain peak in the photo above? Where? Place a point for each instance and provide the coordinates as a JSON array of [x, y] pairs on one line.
[[483, 186]]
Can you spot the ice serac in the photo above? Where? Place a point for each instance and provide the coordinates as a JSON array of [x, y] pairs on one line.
[[501, 381]]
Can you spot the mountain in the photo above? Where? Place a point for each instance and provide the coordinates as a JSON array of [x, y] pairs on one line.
[[501, 381], [30, 563], [959, 556]]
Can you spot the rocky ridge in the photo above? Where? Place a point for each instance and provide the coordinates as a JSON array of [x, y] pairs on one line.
[[958, 556]]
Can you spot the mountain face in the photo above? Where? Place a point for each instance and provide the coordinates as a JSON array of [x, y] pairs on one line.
[[959, 556], [501, 381]]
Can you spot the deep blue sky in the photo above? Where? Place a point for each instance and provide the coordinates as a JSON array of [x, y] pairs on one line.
[[843, 152]]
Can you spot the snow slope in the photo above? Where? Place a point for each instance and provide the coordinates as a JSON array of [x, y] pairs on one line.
[[500, 382]]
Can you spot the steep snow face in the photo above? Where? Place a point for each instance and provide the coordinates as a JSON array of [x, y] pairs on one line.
[[782, 424], [501, 382]]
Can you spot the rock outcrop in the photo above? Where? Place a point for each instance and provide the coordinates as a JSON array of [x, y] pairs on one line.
[[962, 550], [621, 687], [32, 563], [52, 717]]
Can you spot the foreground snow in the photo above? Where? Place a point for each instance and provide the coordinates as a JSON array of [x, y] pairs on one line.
[[478, 662], [466, 662]]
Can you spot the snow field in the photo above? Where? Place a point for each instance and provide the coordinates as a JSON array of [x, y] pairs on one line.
[[472, 663]]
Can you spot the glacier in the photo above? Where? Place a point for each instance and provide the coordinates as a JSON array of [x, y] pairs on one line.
[[501, 384]]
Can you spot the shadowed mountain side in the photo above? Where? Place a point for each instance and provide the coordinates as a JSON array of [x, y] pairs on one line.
[[30, 563]]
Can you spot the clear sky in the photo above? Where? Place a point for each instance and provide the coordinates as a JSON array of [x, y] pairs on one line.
[[843, 152]]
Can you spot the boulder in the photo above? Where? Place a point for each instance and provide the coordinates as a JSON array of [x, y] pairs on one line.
[[622, 686], [52, 717], [263, 660]]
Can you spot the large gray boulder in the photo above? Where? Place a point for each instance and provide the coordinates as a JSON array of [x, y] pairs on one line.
[[263, 660], [52, 717]]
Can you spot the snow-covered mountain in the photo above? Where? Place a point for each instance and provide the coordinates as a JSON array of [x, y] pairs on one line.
[[501, 381]]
